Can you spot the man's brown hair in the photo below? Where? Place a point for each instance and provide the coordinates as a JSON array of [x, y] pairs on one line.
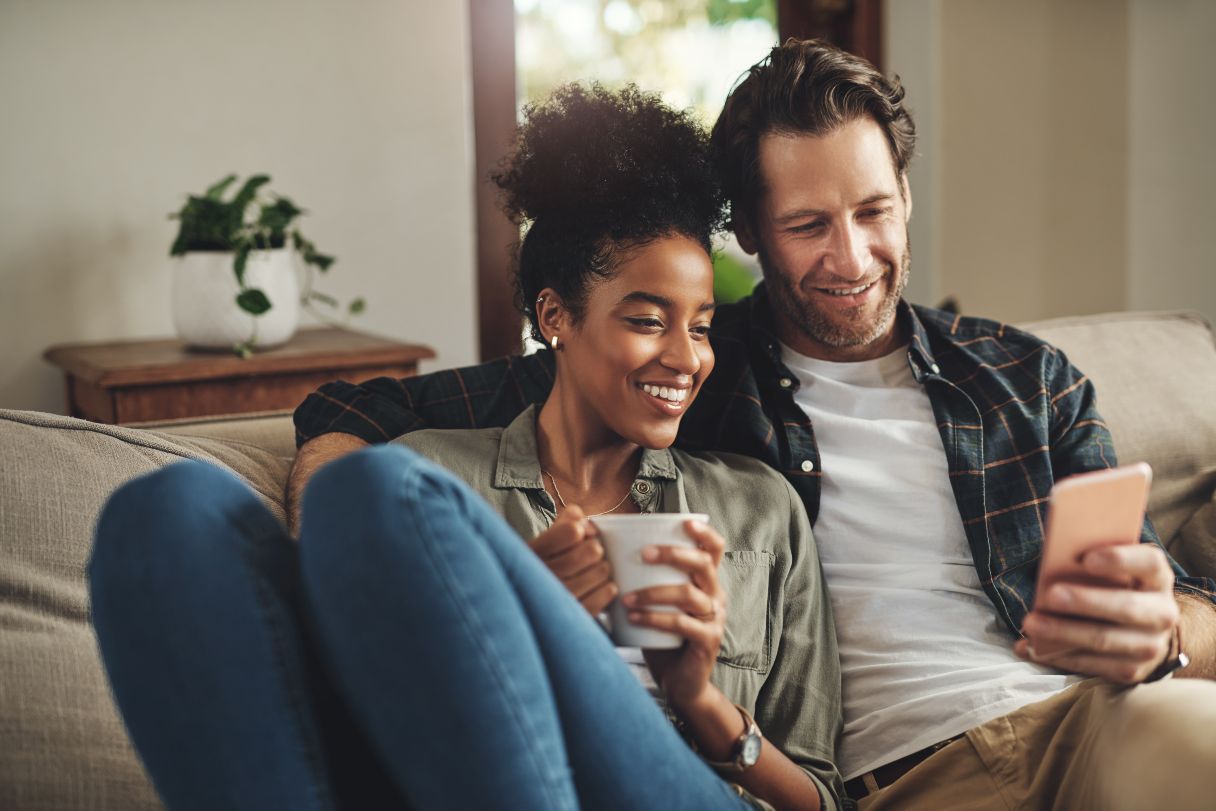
[[804, 87]]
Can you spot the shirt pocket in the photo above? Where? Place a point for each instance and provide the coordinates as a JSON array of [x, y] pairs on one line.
[[746, 577]]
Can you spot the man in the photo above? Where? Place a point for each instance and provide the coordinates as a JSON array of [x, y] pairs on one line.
[[924, 447]]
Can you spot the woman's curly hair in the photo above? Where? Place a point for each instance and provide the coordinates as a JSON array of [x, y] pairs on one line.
[[595, 173]]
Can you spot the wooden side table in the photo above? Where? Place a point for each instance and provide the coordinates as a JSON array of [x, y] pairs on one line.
[[140, 381]]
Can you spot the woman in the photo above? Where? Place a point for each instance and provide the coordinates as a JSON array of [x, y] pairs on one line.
[[419, 651]]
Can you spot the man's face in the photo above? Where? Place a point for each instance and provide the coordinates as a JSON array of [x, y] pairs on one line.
[[830, 229]]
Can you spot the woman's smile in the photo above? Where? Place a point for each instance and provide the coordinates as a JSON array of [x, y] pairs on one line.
[[670, 400]]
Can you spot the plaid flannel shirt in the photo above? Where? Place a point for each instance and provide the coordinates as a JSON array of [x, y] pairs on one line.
[[1014, 416]]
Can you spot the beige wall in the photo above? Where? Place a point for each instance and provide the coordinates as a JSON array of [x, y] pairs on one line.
[[1033, 133], [1069, 166], [111, 112], [913, 53], [1172, 146]]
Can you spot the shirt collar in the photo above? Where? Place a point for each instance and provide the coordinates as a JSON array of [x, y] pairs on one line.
[[919, 352], [519, 463], [763, 329]]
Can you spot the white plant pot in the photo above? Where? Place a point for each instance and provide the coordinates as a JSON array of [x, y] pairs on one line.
[[205, 311]]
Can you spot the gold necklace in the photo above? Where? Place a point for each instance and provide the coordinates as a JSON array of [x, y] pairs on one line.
[[562, 501]]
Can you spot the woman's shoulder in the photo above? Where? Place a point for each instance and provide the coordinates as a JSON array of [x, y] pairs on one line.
[[718, 468], [739, 491], [460, 449]]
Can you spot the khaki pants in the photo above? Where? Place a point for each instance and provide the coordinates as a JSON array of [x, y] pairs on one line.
[[1093, 746]]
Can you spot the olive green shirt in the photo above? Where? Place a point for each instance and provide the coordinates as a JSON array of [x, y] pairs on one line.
[[778, 657]]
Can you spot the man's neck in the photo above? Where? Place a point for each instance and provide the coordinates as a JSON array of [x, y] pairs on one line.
[[895, 336]]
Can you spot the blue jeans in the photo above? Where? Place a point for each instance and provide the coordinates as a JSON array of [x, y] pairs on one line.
[[412, 651]]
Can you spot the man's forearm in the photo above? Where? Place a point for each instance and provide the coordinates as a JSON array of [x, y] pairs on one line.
[[1198, 636], [311, 456]]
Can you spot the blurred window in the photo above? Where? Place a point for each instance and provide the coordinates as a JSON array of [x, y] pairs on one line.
[[690, 52]]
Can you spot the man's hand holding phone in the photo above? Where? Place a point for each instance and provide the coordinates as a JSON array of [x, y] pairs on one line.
[[1105, 602]]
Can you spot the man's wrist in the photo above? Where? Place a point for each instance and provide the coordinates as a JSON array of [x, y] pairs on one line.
[[1175, 658]]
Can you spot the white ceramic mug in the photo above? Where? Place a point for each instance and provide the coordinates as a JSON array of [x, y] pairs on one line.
[[623, 537]]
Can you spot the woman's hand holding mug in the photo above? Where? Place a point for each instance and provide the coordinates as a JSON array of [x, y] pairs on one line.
[[700, 618], [571, 549]]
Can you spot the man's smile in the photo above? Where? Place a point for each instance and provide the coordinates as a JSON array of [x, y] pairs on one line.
[[852, 291]]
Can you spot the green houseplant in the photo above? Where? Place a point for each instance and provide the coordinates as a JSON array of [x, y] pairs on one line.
[[254, 233]]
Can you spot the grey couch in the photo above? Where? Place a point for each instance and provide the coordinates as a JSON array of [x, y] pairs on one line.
[[62, 744]]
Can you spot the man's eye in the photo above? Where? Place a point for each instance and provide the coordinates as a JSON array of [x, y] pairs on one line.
[[875, 213], [807, 228]]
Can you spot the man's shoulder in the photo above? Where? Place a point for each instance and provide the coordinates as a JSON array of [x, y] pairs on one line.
[[731, 321], [977, 333]]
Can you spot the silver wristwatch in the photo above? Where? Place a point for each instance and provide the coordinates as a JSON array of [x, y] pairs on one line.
[[746, 750]]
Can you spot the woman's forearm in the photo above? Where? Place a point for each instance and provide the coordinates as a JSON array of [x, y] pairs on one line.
[[715, 724]]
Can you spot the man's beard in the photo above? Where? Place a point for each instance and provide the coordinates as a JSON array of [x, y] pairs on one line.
[[857, 330]]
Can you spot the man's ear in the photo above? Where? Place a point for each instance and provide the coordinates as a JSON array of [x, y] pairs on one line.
[[907, 191], [741, 225]]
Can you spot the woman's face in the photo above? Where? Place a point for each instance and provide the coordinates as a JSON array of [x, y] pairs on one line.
[[639, 355]]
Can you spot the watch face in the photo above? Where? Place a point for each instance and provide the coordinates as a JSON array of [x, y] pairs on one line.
[[751, 750]]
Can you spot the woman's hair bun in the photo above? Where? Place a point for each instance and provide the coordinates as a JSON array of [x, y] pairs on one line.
[[589, 155], [595, 173]]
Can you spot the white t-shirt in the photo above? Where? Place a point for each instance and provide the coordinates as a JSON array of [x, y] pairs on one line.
[[923, 654]]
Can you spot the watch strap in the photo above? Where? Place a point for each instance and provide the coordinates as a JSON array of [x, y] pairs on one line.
[[738, 762], [1175, 659]]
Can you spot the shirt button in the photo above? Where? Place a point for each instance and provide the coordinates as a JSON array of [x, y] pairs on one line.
[[642, 487], [807, 466], [785, 382]]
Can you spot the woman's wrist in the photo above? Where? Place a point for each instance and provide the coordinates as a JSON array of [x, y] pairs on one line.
[[711, 720]]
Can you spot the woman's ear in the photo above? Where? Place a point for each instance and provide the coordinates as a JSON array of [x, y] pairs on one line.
[[551, 315]]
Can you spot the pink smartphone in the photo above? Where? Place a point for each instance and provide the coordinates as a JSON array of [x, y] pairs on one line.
[[1087, 511], [1090, 510]]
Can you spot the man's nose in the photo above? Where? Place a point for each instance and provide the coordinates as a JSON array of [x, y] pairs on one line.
[[848, 253]]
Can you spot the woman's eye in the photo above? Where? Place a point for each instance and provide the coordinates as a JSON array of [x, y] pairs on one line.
[[700, 331], [647, 322]]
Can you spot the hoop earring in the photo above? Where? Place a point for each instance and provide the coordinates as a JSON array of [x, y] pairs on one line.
[[553, 342]]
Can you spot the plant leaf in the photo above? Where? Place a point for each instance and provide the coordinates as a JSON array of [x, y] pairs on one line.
[[238, 265], [324, 298], [357, 306], [253, 301], [277, 216], [245, 196], [205, 226], [321, 261], [216, 191]]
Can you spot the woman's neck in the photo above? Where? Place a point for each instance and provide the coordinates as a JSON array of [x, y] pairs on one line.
[[594, 465]]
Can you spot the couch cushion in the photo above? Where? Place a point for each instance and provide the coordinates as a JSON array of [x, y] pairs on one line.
[[62, 744], [1155, 375]]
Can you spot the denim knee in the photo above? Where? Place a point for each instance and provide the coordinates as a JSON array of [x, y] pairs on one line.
[[361, 487], [173, 513]]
